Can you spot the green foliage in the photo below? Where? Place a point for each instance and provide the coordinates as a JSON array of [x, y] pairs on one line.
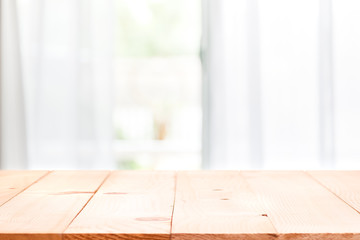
[[128, 163], [155, 28], [119, 134]]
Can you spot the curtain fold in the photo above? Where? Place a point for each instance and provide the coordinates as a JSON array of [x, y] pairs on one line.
[[12, 116], [64, 77], [280, 82]]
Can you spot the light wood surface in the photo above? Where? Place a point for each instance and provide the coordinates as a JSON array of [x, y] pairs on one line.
[[296, 204], [218, 203], [69, 182], [137, 205], [46, 208], [199, 205], [344, 184], [14, 182]]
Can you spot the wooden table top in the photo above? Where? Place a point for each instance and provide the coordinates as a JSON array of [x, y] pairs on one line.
[[77, 205]]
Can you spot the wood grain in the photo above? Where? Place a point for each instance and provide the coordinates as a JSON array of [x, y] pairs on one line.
[[129, 205], [218, 205], [14, 182], [44, 210], [345, 184], [71, 182], [209, 205], [300, 208]]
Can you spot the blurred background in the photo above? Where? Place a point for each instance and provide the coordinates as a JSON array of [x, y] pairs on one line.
[[180, 84]]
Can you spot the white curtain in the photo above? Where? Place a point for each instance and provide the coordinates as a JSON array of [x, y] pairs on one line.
[[65, 58], [12, 121], [281, 84]]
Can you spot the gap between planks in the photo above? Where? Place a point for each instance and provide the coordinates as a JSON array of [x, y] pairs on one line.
[[328, 188], [107, 176], [303, 231], [218, 205], [294, 204], [174, 202], [25, 188], [62, 183], [201, 236], [150, 194]]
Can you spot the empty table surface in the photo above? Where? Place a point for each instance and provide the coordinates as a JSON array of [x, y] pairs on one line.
[[77, 205]]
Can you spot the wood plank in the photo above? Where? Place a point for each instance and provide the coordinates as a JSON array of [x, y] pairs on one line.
[[129, 205], [44, 210], [14, 182], [62, 182], [218, 205], [300, 208], [345, 184], [208, 205]]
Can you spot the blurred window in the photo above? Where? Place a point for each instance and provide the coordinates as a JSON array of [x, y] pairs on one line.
[[157, 115]]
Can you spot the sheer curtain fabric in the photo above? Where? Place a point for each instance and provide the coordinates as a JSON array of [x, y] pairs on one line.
[[281, 84], [64, 50]]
